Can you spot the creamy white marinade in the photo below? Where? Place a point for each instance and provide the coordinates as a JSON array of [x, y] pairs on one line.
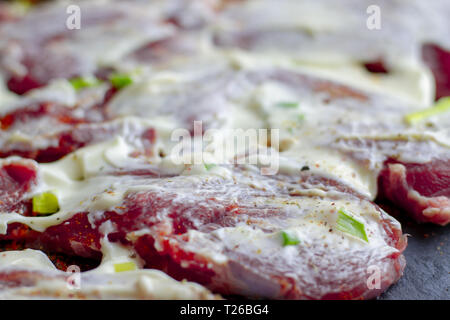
[[101, 283], [81, 182]]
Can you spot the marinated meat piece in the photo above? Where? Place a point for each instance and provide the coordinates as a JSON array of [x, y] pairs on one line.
[[423, 190], [231, 242], [47, 132], [34, 53], [352, 121], [16, 179], [438, 60], [19, 283]]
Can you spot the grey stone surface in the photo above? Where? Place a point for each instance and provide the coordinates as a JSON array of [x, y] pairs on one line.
[[427, 272]]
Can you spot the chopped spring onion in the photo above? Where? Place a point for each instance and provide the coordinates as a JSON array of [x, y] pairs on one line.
[[209, 166], [441, 106], [289, 240], [83, 82], [348, 224], [22, 6], [45, 203], [124, 266], [287, 104], [120, 81]]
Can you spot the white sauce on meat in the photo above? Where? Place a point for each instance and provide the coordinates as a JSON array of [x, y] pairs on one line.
[[94, 284]]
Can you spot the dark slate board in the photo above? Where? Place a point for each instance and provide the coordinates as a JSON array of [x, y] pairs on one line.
[[427, 272]]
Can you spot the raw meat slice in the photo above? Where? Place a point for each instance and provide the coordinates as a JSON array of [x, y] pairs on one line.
[[20, 282], [371, 141], [438, 60], [33, 53], [46, 132], [226, 234], [422, 189], [16, 179]]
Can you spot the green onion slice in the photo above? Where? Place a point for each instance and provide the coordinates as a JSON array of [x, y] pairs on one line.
[[45, 203], [441, 106], [120, 81], [124, 266], [209, 166], [84, 82], [348, 224], [289, 240], [287, 104]]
